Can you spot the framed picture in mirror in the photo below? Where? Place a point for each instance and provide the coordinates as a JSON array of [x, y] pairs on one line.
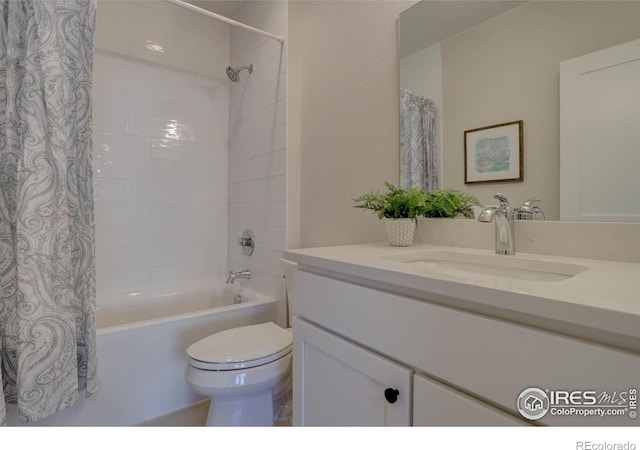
[[494, 154]]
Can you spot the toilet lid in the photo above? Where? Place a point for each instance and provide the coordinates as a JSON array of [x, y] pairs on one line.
[[241, 347]]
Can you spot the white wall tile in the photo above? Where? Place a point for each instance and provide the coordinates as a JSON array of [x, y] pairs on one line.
[[176, 233], [111, 258], [111, 213], [110, 190], [270, 141], [263, 166], [267, 95], [165, 255], [187, 273], [174, 191], [123, 280], [110, 120], [114, 69], [216, 134], [162, 155], [260, 123], [97, 94], [211, 213], [199, 172], [160, 127], [126, 235], [257, 162], [121, 145], [141, 169], [189, 151], [161, 209], [260, 190], [267, 213]]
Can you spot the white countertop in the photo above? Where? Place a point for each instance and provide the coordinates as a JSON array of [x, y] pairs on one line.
[[604, 298]]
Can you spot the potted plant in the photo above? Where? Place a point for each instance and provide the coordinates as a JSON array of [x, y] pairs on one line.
[[450, 203], [399, 208]]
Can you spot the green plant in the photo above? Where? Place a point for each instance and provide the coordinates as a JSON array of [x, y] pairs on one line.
[[395, 204], [450, 203]]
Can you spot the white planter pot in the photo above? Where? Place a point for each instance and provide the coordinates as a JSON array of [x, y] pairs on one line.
[[400, 232]]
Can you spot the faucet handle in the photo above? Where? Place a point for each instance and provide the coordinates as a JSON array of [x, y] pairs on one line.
[[537, 213], [502, 199], [528, 212]]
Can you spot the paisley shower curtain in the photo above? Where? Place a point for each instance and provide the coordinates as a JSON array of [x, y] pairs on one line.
[[47, 275], [419, 152]]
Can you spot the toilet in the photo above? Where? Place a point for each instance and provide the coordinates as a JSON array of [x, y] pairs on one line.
[[245, 371]]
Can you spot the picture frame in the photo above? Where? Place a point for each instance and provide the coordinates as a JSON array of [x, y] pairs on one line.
[[494, 154]]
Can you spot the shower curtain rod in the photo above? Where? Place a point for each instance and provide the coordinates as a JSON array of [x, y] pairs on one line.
[[225, 19]]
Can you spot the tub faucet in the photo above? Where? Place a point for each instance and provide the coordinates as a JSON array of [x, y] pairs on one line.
[[502, 216], [246, 274]]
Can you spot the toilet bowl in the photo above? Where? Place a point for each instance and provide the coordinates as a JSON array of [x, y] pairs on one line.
[[245, 371]]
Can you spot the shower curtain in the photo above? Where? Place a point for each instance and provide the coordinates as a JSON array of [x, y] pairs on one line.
[[419, 152], [47, 275]]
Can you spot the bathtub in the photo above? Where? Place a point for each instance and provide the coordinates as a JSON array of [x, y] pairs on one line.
[[142, 339]]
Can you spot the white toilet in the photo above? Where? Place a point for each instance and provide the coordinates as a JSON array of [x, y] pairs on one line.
[[245, 371]]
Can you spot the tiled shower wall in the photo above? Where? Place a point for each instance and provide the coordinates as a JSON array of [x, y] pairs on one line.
[[160, 146], [257, 147]]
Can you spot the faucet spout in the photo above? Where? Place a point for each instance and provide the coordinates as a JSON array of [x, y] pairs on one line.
[[502, 216], [246, 274]]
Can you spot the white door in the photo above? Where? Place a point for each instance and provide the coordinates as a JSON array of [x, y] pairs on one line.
[[338, 383], [600, 135], [435, 404]]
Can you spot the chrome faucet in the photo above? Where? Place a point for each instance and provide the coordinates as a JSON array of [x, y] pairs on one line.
[[502, 215], [246, 274], [529, 212]]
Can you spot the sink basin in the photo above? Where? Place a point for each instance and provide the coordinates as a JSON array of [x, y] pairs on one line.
[[515, 267]]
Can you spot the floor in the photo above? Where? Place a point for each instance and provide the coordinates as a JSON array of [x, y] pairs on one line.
[[192, 416]]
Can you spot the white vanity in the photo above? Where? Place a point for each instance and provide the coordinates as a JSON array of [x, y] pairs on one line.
[[432, 335]]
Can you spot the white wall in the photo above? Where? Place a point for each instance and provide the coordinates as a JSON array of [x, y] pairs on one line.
[[160, 146], [257, 148], [346, 100]]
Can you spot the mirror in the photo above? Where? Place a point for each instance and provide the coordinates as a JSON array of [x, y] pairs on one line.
[[485, 63]]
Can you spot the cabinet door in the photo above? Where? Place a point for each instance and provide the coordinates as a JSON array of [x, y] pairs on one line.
[[435, 404], [337, 383]]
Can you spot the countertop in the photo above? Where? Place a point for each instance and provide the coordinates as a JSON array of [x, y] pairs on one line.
[[600, 304]]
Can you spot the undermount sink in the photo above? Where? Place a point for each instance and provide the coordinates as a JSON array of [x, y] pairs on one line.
[[515, 267]]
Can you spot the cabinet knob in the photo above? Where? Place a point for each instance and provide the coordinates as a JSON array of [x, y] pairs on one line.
[[391, 395]]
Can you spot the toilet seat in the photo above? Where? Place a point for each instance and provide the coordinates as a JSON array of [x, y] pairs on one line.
[[241, 348]]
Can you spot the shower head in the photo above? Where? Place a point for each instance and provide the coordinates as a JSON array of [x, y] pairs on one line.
[[234, 74]]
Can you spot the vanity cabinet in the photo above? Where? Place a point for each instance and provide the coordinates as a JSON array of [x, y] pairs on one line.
[[435, 404], [342, 384], [338, 383], [450, 366]]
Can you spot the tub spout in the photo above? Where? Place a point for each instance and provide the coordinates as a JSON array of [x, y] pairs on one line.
[[246, 274]]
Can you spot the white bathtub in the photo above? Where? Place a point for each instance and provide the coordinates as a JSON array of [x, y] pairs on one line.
[[142, 339]]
